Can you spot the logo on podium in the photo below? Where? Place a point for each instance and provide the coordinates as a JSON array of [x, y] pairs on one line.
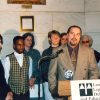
[[86, 89]]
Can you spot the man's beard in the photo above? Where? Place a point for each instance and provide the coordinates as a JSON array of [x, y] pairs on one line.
[[73, 44]]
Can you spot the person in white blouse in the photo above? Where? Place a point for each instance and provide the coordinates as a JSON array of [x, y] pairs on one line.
[[18, 72]]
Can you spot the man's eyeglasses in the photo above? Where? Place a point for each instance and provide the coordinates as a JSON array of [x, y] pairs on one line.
[[85, 41]]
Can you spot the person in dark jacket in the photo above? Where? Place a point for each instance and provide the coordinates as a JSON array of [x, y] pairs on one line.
[[3, 85], [54, 41]]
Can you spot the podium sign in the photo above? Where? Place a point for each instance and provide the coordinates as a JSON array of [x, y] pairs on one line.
[[85, 90]]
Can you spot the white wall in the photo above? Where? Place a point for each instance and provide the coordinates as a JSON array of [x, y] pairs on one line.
[[92, 21], [56, 14]]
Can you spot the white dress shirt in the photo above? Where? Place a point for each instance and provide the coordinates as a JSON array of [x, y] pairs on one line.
[[19, 57]]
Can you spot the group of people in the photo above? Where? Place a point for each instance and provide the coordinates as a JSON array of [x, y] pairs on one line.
[[20, 73]]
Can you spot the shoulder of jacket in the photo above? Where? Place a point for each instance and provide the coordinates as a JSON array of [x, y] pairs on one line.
[[86, 49], [10, 54]]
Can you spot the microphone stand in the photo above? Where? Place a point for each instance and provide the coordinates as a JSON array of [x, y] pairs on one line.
[[52, 56], [39, 80], [39, 62]]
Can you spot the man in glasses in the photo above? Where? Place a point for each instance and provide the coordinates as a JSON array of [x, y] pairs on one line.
[[86, 40], [75, 59]]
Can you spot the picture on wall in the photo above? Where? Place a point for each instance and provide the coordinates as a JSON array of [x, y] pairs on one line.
[[27, 23], [26, 1]]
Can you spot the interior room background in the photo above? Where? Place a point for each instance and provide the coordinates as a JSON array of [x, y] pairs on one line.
[[54, 15]]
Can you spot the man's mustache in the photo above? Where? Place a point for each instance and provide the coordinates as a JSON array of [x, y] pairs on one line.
[[74, 39]]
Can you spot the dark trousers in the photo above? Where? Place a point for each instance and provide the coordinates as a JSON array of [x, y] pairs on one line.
[[21, 96]]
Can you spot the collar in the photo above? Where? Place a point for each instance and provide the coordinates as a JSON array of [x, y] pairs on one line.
[[70, 48], [54, 46], [17, 54]]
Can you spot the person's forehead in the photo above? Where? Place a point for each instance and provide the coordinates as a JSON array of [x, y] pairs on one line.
[[64, 36], [85, 38], [53, 35], [75, 29], [28, 37], [20, 41]]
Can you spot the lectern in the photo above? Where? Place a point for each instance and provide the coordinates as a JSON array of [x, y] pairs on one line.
[[80, 89], [64, 88]]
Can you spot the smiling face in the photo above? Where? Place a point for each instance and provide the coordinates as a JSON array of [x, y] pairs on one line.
[[55, 39], [64, 39], [74, 36]]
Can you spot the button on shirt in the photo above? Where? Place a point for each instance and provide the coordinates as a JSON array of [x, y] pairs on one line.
[[19, 57]]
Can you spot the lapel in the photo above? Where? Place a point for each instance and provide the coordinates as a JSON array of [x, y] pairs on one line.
[[80, 59], [66, 59]]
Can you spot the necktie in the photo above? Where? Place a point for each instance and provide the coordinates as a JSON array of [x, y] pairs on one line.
[[73, 58]]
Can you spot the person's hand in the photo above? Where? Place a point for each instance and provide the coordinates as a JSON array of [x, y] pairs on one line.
[[31, 82], [9, 96], [55, 92]]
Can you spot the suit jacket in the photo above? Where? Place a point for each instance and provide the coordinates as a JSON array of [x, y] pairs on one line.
[[4, 88], [86, 67], [97, 56]]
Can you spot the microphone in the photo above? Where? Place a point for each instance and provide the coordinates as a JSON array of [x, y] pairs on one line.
[[52, 56], [59, 51]]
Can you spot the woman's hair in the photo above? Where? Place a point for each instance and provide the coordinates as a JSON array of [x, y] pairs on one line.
[[32, 36], [89, 38]]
